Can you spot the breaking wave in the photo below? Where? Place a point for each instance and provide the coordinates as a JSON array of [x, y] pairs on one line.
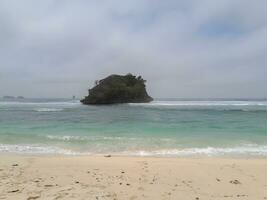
[[37, 103], [241, 106], [103, 138], [33, 149], [202, 103], [248, 150], [252, 150], [49, 109]]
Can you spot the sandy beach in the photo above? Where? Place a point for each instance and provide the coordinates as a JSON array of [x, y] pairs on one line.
[[120, 178]]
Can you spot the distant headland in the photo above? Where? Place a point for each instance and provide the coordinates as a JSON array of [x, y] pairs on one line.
[[118, 89]]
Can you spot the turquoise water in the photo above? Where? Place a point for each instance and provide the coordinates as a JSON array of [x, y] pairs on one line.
[[159, 128]]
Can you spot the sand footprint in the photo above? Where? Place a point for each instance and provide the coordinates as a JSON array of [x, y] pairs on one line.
[[33, 197], [133, 197]]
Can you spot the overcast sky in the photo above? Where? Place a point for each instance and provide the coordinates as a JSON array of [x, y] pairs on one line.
[[183, 48]]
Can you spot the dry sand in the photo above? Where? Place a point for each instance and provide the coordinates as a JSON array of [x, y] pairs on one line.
[[122, 178]]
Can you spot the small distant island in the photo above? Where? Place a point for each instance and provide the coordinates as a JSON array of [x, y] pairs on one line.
[[118, 89], [12, 97], [9, 97]]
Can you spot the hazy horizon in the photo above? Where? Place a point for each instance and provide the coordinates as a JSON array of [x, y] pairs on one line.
[[184, 49], [15, 98]]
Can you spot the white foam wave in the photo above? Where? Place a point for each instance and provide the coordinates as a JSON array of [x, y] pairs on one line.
[[104, 138], [49, 109], [18, 103], [64, 137], [201, 103], [208, 151], [248, 150], [31, 149]]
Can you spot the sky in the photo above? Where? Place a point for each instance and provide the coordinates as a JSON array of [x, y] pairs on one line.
[[183, 48]]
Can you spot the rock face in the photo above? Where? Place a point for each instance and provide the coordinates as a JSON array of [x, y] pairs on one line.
[[118, 89]]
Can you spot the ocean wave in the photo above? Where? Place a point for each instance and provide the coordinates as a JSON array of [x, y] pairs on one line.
[[64, 137], [48, 109], [78, 138], [252, 150], [33, 149], [233, 106], [103, 138], [201, 103], [248, 150], [18, 103]]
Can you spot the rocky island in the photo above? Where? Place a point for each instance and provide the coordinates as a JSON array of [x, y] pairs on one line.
[[118, 89]]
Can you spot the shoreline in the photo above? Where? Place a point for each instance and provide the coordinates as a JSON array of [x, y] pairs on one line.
[[243, 150], [127, 177], [114, 155]]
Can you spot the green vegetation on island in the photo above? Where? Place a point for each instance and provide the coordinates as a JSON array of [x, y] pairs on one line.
[[118, 89]]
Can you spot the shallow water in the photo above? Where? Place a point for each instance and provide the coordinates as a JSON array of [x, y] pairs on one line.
[[159, 128]]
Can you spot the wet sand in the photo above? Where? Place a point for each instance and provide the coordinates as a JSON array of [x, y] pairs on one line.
[[121, 178]]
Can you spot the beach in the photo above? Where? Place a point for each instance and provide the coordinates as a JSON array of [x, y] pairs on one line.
[[190, 150], [121, 178], [133, 100]]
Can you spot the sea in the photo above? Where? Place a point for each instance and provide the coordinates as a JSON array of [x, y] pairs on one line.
[[164, 128]]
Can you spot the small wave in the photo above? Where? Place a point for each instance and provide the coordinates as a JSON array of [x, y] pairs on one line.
[[64, 138], [18, 103], [208, 151], [85, 138], [49, 109], [231, 106], [249, 150], [103, 138], [31, 149], [200, 103]]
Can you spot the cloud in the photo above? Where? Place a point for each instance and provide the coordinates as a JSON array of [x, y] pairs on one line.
[[183, 48]]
